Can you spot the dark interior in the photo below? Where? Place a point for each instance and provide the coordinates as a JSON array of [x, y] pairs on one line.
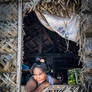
[[39, 41]]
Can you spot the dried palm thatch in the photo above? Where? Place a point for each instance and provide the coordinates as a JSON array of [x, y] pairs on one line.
[[62, 8], [85, 43], [62, 88], [8, 44]]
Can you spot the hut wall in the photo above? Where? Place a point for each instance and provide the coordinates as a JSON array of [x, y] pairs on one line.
[[86, 45], [8, 46]]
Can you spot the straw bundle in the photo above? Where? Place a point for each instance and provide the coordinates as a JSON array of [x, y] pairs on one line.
[[59, 7]]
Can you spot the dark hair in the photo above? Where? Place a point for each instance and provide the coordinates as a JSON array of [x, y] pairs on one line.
[[38, 58], [35, 65]]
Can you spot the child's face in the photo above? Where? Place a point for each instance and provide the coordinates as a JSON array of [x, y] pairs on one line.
[[42, 60], [39, 75]]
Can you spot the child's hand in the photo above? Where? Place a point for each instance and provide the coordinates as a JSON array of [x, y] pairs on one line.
[[44, 85]]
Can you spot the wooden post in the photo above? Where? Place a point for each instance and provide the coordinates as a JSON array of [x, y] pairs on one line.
[[76, 76], [19, 53]]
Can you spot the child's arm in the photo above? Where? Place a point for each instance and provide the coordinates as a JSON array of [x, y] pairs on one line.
[[31, 85]]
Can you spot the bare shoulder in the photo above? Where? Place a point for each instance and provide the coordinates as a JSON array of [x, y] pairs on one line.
[[32, 80], [31, 85]]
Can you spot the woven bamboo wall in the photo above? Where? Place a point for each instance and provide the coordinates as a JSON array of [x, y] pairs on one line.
[[86, 45], [8, 46]]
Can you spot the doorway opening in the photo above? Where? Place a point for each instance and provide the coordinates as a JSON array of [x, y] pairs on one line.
[[39, 41]]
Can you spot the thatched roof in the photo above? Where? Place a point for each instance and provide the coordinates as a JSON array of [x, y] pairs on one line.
[[56, 7]]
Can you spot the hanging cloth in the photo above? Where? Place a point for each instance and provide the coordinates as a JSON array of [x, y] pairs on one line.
[[67, 28]]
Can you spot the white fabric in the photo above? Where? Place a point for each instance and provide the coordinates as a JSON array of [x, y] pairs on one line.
[[42, 20], [68, 28]]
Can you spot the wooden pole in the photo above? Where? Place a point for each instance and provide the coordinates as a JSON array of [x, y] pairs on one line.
[[76, 76], [19, 53]]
